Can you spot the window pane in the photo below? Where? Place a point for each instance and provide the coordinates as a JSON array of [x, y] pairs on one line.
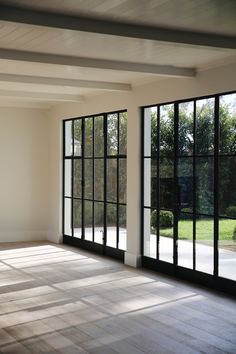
[[123, 133], [111, 180], [112, 134], [67, 217], [88, 137], [150, 238], [88, 179], [150, 131], [98, 179], [205, 126], [77, 178], [205, 185], [227, 186], [185, 240], [204, 244], [227, 143], [77, 218], [122, 181], [166, 221], [68, 138], [98, 136], [67, 178], [88, 220], [227, 248], [185, 184], [150, 182], [77, 137], [98, 222], [111, 225], [166, 183], [185, 134], [167, 130], [122, 227]]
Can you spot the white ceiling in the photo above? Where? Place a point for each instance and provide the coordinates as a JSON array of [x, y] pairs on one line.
[[211, 16]]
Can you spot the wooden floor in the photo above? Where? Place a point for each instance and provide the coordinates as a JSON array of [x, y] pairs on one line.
[[57, 299]]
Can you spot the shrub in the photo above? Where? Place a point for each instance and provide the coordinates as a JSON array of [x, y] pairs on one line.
[[231, 211], [166, 219], [154, 220], [234, 234]]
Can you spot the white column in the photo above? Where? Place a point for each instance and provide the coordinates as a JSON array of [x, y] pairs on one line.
[[133, 253]]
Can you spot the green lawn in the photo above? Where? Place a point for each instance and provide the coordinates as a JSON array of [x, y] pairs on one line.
[[204, 230]]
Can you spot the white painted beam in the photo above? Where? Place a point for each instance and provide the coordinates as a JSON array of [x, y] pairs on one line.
[[39, 80], [115, 28], [35, 57], [41, 96]]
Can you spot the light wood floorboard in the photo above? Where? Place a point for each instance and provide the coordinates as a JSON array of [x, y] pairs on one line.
[[59, 299]]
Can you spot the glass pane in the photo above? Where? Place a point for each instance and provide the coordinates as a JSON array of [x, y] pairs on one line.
[[227, 248], [77, 137], [185, 240], [112, 180], [68, 138], [98, 179], [67, 217], [88, 137], [204, 244], [167, 183], [167, 130], [150, 238], [227, 186], [166, 221], [122, 228], [112, 134], [67, 178], [88, 179], [77, 178], [122, 181], [123, 133], [88, 220], [205, 185], [77, 218], [185, 134], [98, 222], [150, 182], [111, 225], [150, 131], [205, 126], [98, 136], [185, 184], [227, 143]]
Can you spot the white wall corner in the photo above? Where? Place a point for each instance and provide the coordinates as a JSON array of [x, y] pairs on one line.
[[133, 260], [54, 237]]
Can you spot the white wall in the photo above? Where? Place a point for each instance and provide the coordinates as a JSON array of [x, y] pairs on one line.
[[31, 155], [24, 175], [216, 80]]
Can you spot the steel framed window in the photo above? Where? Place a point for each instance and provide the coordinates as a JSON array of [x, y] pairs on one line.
[[94, 181], [188, 149]]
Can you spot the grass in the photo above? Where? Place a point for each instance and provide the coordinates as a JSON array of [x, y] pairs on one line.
[[204, 230]]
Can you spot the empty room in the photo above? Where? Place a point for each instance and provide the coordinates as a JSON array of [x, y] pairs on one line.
[[118, 176]]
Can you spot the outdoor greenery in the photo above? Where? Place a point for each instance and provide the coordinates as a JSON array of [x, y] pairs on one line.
[[96, 126], [204, 230], [204, 149]]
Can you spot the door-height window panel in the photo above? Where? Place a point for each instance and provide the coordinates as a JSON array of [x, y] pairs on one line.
[[94, 207], [189, 186]]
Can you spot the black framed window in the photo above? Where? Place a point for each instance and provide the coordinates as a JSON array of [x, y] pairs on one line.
[[189, 186], [94, 179]]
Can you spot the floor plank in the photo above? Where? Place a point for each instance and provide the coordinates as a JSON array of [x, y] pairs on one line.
[[59, 299]]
